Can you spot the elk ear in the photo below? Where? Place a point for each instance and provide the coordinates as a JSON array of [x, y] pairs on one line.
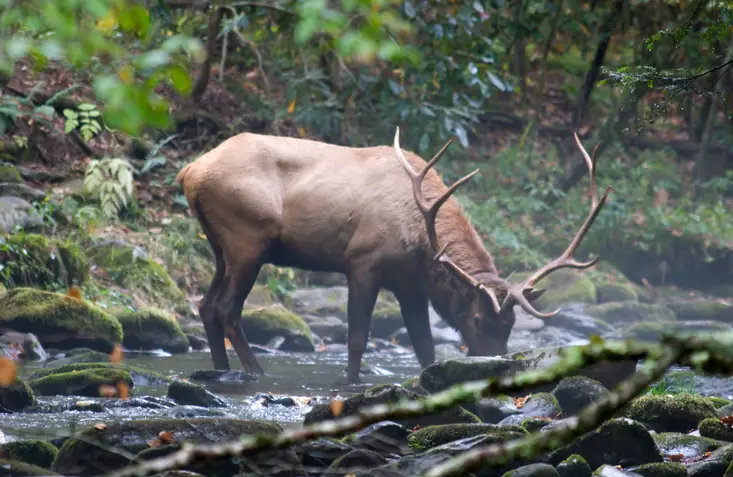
[[534, 293]]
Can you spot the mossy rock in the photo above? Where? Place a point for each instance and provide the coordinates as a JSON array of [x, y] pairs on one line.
[[34, 452], [83, 355], [140, 376], [130, 267], [619, 312], [655, 331], [390, 393], [662, 469], [413, 385], [185, 393], [574, 466], [670, 413], [533, 470], [533, 424], [14, 468], [563, 287], [616, 292], [615, 441], [433, 436], [386, 321], [576, 392], [261, 295], [673, 443], [713, 428], [151, 328], [17, 396], [59, 321], [330, 301], [37, 261], [93, 452], [703, 310], [264, 323], [9, 173], [495, 408], [89, 382], [718, 402]]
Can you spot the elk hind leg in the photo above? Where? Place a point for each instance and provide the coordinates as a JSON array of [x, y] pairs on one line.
[[363, 293], [207, 311]]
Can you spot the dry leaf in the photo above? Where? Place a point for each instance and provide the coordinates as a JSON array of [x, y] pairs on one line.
[[75, 293], [117, 354], [228, 344], [165, 437], [416, 428], [336, 407], [727, 420], [106, 390], [123, 390], [291, 107], [676, 457], [707, 454], [8, 371], [154, 443], [519, 402], [100, 426]]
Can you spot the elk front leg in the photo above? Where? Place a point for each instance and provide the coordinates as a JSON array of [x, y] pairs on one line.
[[362, 298], [414, 309], [230, 303]]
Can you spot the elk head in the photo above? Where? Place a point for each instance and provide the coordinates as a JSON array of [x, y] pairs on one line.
[[486, 315]]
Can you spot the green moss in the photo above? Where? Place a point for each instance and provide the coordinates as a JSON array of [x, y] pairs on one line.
[[433, 436], [654, 331], [386, 321], [413, 384], [22, 469], [533, 424], [562, 288], [718, 402], [35, 260], [139, 375], [9, 173], [264, 323], [151, 328], [678, 443], [680, 412], [81, 383], [662, 469], [59, 321], [712, 427], [574, 466], [17, 396], [129, 267], [693, 310], [616, 292], [629, 312], [35, 452]]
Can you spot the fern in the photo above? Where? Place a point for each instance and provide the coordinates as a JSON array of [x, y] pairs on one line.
[[84, 120], [110, 181]]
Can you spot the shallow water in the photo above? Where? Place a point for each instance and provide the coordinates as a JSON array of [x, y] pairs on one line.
[[299, 375]]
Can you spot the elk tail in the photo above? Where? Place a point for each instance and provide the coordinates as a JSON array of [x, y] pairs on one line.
[[182, 174]]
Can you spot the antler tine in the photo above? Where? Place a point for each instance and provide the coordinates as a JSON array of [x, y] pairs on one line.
[[516, 293]]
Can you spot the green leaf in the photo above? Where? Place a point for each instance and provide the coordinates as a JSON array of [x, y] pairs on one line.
[[497, 81], [180, 78]]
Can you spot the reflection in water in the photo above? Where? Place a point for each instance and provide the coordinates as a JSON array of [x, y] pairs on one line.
[[300, 375]]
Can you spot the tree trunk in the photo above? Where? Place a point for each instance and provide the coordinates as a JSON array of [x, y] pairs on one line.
[[203, 80]]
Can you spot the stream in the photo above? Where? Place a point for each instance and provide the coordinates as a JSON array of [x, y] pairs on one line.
[[301, 376]]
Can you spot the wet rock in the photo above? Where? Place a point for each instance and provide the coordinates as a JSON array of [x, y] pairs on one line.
[[22, 346], [322, 452], [562, 287], [413, 384], [386, 321], [713, 428], [223, 376], [35, 452], [16, 212], [495, 408], [445, 351], [572, 318], [533, 470], [385, 437], [185, 393], [703, 310], [533, 424], [441, 375], [92, 382], [662, 469], [13, 468], [267, 399], [548, 336], [24, 191], [16, 397], [140, 376], [575, 393], [689, 446], [78, 356], [58, 320], [434, 436], [358, 458], [330, 301], [714, 465], [132, 268], [610, 471], [262, 324], [616, 442], [574, 466], [626, 312], [328, 327], [615, 291], [440, 336], [82, 458], [384, 394], [152, 329], [670, 413], [541, 405], [188, 412], [654, 331]]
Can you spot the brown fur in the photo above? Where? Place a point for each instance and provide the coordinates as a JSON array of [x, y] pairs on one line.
[[311, 205]]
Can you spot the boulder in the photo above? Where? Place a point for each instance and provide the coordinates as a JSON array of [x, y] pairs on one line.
[[615, 291], [661, 469], [34, 260], [714, 428], [14, 468], [385, 321], [59, 321], [563, 287], [434, 436], [40, 453], [653, 332], [702, 310], [92, 382], [574, 466], [16, 397], [140, 376], [330, 301], [22, 346], [627, 312], [265, 323], [186, 393], [576, 392], [151, 329], [670, 413], [686, 445]]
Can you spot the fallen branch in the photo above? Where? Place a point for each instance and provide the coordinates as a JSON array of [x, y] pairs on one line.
[[718, 355]]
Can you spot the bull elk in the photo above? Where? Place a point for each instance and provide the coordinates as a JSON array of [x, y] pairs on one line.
[[363, 212]]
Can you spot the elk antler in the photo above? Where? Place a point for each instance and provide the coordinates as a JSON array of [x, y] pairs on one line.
[[565, 260], [430, 212]]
